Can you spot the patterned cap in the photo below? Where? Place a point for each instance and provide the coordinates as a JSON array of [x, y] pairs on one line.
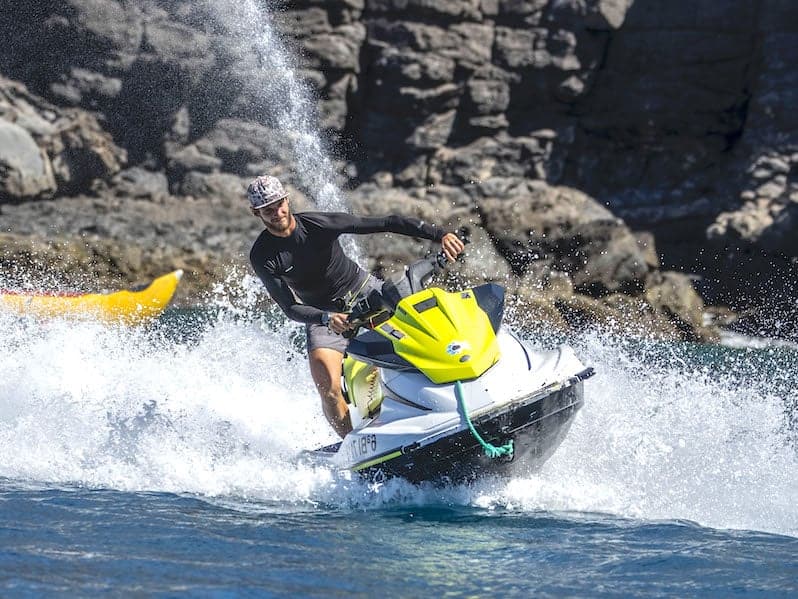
[[265, 190]]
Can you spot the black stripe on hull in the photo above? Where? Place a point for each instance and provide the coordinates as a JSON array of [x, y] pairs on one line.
[[537, 427]]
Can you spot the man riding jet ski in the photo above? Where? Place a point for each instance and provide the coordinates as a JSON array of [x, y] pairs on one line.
[[440, 391]]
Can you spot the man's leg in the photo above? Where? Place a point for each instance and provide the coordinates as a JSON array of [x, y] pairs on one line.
[[325, 368]]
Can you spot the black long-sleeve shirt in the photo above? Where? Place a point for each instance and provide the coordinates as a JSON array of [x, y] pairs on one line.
[[309, 265]]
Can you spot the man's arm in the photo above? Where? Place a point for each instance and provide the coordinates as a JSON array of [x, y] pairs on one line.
[[341, 222], [281, 293]]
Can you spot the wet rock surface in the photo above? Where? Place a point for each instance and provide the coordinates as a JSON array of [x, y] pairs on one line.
[[607, 158]]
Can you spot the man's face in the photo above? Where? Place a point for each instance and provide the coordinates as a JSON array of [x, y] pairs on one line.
[[276, 217]]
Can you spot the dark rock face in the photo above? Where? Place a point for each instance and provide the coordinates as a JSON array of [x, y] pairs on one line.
[[44, 151], [550, 129]]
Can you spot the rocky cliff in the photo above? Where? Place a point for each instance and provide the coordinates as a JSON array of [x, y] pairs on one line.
[[604, 156]]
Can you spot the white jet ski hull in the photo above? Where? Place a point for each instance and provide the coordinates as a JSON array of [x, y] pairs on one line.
[[529, 396]]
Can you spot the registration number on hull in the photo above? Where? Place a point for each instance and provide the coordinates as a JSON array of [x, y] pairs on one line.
[[361, 446]]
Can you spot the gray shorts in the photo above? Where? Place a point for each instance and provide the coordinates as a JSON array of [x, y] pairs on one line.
[[320, 336]]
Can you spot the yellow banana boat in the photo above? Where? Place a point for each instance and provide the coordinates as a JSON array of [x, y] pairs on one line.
[[128, 306]]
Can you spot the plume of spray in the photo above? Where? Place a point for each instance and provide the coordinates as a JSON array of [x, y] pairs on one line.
[[292, 106], [675, 432]]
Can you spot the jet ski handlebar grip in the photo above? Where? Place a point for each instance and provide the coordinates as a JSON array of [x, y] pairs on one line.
[[361, 311]]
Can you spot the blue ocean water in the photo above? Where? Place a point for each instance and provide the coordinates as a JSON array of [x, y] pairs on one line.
[[162, 461], [81, 541]]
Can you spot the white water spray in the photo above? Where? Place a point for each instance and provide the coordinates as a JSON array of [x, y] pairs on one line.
[[128, 409], [225, 415], [291, 104], [663, 438]]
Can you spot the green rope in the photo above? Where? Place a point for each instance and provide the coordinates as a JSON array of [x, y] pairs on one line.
[[490, 450]]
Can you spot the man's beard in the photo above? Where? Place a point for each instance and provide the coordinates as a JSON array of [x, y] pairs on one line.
[[281, 226]]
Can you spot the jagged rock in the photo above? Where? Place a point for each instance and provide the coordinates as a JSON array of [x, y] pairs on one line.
[[225, 188], [434, 132], [190, 158], [410, 102], [564, 230], [238, 143], [489, 158], [25, 170], [606, 14], [339, 50], [305, 21], [488, 96], [469, 9], [334, 109], [45, 150], [763, 223], [535, 313], [140, 183], [557, 284], [398, 68], [468, 44], [673, 295], [86, 87], [611, 258], [647, 245], [582, 312], [488, 124], [82, 152], [636, 316]]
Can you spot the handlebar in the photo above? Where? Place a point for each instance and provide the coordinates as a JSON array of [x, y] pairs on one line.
[[365, 313], [378, 306]]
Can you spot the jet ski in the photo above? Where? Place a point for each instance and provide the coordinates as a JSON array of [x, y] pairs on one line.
[[439, 390]]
